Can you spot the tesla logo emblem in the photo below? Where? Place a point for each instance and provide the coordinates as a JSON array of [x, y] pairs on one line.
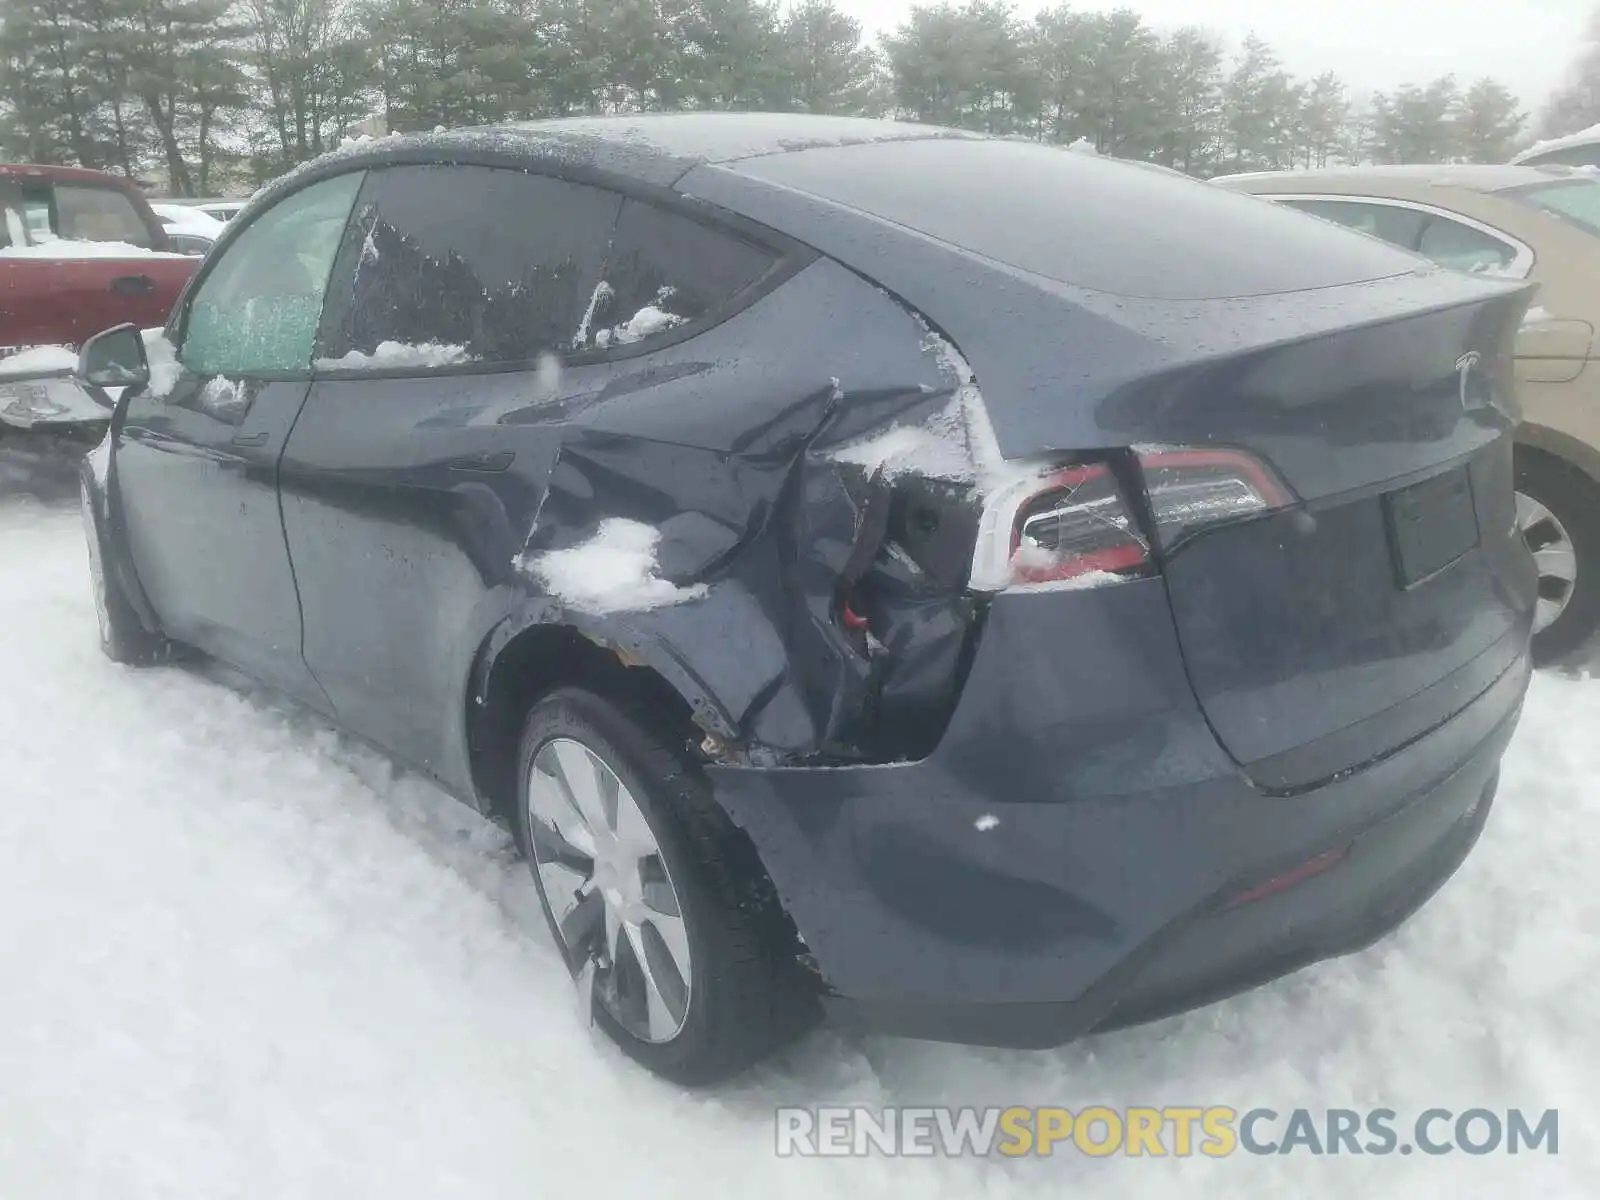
[[1465, 365]]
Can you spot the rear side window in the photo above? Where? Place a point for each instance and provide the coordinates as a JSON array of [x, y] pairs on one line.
[[1397, 226], [1452, 244], [449, 264], [98, 214], [1576, 201], [665, 270]]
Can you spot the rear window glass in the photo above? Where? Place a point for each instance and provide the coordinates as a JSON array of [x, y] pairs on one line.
[[1397, 226], [1575, 200], [1463, 248], [1113, 227], [97, 214]]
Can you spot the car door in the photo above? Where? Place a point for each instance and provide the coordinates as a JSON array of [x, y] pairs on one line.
[[197, 452], [472, 310]]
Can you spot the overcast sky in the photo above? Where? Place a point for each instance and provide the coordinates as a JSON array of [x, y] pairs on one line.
[[1370, 43]]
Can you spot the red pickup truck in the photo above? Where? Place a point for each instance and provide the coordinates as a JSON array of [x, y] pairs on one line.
[[80, 251]]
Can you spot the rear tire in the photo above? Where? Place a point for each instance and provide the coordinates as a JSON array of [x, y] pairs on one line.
[[740, 995], [123, 638], [1558, 512]]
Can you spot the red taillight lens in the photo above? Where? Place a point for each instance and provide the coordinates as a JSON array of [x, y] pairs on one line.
[[1058, 525], [1191, 488], [1073, 525]]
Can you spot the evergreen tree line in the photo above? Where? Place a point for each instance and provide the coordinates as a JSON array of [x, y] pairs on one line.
[[199, 95]]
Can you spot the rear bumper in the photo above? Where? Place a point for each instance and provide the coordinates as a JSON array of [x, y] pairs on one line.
[[1065, 861], [1384, 876]]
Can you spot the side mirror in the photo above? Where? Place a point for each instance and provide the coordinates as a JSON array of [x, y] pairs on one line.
[[114, 359]]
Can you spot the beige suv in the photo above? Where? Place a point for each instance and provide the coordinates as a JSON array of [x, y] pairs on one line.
[[1537, 223]]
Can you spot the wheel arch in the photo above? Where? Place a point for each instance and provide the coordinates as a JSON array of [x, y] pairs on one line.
[[1563, 446], [524, 660], [527, 657]]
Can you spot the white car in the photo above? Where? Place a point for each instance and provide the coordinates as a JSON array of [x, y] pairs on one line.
[[222, 210], [189, 228], [1581, 149]]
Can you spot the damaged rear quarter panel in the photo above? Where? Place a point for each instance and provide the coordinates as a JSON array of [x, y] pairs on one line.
[[431, 495], [735, 465]]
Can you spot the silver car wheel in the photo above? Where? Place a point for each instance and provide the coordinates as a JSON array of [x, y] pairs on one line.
[[1555, 556], [603, 875]]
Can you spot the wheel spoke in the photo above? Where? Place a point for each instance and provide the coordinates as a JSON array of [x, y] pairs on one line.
[[552, 848], [552, 801], [1529, 512], [1557, 559], [633, 831], [613, 933], [674, 938], [562, 885], [665, 997], [578, 771]]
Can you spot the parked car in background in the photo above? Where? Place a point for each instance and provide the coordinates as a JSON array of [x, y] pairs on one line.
[[1542, 225], [189, 229], [1580, 149], [219, 210], [995, 592], [79, 250], [222, 210]]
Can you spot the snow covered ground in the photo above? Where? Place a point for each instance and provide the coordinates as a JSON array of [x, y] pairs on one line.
[[242, 957]]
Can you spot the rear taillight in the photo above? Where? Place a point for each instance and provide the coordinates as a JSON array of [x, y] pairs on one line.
[[1072, 526], [1191, 488]]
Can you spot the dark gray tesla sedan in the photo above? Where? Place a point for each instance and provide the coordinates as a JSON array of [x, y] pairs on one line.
[[987, 592]]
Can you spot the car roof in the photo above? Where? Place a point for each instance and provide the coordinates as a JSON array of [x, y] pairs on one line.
[[77, 174], [655, 148], [1473, 177], [1584, 137]]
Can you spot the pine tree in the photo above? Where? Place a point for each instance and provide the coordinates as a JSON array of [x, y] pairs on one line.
[[1486, 122], [823, 66], [1250, 126], [1326, 116], [1415, 124], [1190, 71]]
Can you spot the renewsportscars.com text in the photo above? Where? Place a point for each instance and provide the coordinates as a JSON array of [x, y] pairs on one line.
[[1213, 1131]]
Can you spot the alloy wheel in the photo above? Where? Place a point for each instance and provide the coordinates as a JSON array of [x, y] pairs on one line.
[[1555, 556], [604, 877]]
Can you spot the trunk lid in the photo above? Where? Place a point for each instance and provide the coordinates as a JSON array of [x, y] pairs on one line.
[[1324, 635]]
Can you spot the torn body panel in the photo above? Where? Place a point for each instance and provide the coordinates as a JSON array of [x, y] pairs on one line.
[[757, 536], [797, 619]]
